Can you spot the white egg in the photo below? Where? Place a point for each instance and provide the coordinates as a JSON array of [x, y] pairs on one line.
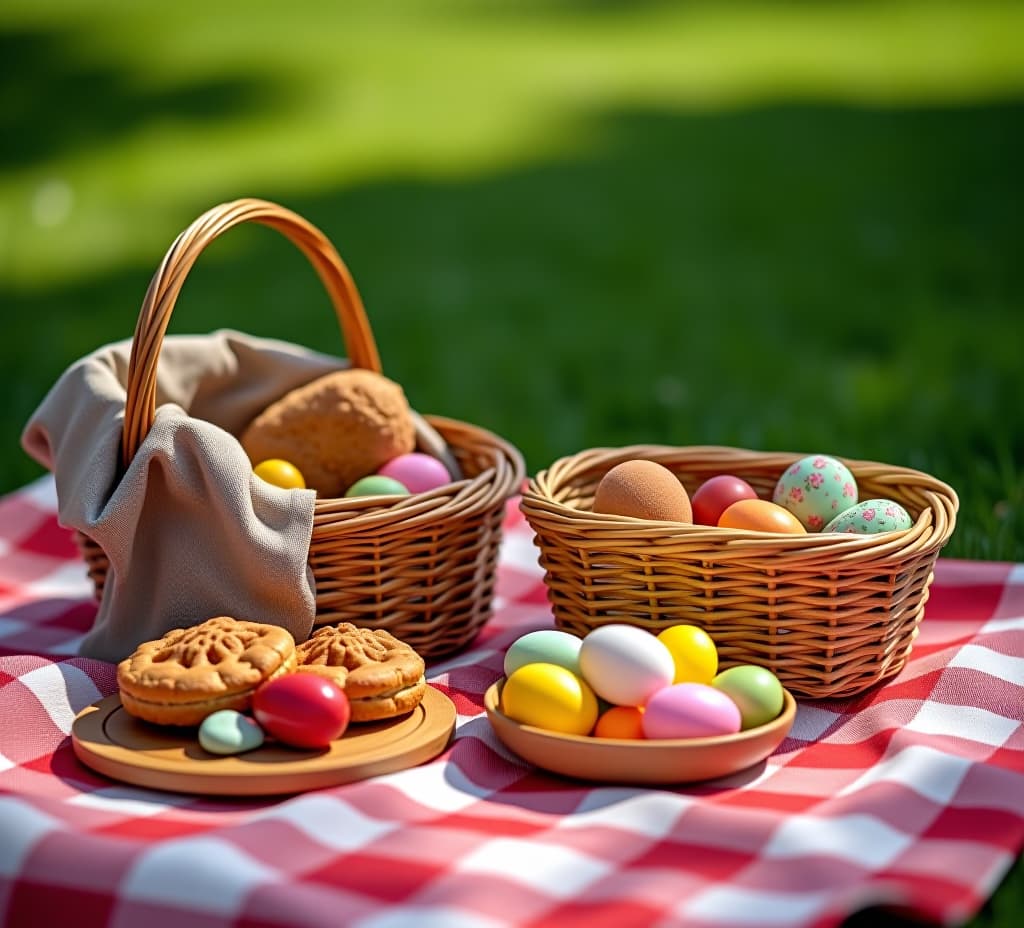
[[625, 665]]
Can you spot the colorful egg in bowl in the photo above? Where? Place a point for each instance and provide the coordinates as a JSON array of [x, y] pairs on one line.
[[629, 760]]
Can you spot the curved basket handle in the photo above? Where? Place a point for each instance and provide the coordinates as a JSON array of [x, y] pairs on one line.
[[140, 406]]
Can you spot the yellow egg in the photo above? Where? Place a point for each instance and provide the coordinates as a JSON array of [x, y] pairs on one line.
[[551, 697], [693, 652], [280, 473]]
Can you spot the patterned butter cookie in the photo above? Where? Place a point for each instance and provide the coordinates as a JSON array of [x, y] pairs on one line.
[[192, 672], [382, 676]]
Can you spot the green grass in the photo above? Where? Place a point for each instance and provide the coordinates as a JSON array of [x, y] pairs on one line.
[[780, 226]]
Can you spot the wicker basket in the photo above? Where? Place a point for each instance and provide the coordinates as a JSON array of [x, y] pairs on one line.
[[423, 566], [830, 615]]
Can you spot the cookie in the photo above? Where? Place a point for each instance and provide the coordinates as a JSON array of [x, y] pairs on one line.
[[190, 673], [382, 676], [336, 429]]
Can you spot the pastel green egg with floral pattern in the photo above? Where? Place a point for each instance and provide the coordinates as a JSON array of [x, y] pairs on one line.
[[816, 489], [870, 517]]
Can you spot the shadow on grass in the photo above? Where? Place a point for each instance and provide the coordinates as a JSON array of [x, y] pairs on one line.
[[786, 277], [56, 100]]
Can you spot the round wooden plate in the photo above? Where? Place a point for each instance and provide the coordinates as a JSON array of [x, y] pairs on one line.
[[116, 744], [616, 760]]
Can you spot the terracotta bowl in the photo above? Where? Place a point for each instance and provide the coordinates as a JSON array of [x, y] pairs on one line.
[[617, 760]]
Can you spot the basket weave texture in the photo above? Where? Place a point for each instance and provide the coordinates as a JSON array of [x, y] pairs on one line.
[[422, 566], [831, 615]]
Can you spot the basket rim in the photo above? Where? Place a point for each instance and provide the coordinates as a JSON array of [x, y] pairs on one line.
[[541, 505]]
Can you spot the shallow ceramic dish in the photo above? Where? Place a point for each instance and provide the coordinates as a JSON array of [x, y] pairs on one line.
[[616, 760]]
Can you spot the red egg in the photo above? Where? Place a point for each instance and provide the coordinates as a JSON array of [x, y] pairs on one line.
[[716, 495], [302, 709]]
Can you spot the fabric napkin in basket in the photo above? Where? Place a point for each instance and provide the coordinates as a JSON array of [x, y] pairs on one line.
[[190, 531]]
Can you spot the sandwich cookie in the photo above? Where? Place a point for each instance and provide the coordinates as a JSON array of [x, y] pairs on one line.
[[381, 675], [190, 673]]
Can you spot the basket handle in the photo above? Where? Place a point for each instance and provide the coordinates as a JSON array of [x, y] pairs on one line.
[[140, 405]]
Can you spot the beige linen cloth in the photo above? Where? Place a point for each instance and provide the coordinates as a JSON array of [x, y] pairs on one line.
[[190, 531]]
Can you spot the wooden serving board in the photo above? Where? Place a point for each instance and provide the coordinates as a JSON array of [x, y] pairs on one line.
[[112, 742]]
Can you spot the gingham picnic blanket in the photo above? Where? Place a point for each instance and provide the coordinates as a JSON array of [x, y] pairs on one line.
[[911, 796]]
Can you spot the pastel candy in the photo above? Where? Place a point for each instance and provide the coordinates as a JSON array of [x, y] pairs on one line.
[[229, 732]]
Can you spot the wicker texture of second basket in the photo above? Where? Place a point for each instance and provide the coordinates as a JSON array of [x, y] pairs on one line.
[[423, 566], [831, 615]]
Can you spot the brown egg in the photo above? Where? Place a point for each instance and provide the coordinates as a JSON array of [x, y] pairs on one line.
[[643, 490]]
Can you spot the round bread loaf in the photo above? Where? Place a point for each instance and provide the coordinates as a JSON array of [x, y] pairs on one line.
[[336, 429]]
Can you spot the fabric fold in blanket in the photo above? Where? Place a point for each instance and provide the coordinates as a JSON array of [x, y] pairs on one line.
[[189, 530]]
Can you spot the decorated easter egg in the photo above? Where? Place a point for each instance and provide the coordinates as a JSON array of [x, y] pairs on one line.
[[693, 653], [690, 710], [717, 494], [759, 515], [302, 709], [816, 489], [755, 690], [551, 697], [643, 490], [229, 732], [870, 517], [620, 722], [625, 664], [376, 485], [416, 471], [280, 473], [545, 646]]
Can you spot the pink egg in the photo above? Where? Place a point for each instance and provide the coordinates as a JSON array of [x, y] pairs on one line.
[[417, 471], [690, 710]]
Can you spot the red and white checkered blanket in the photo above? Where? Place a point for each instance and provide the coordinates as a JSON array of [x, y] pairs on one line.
[[911, 796]]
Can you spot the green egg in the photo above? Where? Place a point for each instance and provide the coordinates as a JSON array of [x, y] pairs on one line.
[[871, 517], [816, 489], [755, 690], [545, 646], [377, 485]]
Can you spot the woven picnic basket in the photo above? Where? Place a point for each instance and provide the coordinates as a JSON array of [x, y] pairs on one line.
[[831, 615], [422, 566]]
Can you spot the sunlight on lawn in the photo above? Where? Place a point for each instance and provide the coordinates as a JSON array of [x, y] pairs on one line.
[[166, 108]]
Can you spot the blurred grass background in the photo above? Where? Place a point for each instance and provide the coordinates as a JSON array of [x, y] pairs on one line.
[[788, 225]]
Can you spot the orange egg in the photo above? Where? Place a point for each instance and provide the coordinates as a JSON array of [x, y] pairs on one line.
[[620, 722], [761, 516], [643, 490]]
